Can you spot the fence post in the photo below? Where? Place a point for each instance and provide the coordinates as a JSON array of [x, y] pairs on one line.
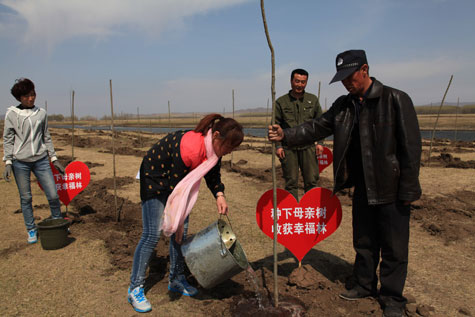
[[113, 152], [437, 119]]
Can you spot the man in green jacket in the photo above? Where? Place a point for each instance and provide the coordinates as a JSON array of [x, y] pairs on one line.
[[292, 109]]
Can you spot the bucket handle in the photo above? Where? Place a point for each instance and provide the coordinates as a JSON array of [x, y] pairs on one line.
[[223, 246], [229, 221]]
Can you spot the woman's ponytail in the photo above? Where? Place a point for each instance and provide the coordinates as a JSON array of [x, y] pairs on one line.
[[229, 129]]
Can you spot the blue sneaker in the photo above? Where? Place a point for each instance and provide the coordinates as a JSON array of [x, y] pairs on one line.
[[32, 236], [137, 299], [180, 285]]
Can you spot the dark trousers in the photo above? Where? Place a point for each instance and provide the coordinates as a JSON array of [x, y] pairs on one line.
[[381, 232]]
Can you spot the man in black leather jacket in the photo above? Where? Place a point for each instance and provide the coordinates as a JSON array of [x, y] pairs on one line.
[[376, 149]]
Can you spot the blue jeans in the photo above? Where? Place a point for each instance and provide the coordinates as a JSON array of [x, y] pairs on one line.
[[152, 217], [42, 170]]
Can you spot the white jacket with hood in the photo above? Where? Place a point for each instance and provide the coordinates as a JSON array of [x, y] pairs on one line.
[[25, 136]]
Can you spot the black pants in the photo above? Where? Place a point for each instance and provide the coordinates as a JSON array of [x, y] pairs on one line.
[[381, 232]]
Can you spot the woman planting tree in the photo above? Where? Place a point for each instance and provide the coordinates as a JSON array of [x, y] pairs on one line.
[[170, 176]]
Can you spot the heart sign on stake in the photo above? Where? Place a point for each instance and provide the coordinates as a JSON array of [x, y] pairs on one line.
[[75, 179], [325, 159], [301, 225]]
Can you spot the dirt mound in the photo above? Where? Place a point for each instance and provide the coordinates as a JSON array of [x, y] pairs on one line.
[[450, 217], [466, 144], [437, 142], [92, 215], [307, 277], [462, 164], [306, 292], [447, 160], [126, 151], [448, 142], [266, 175], [65, 160], [122, 141], [456, 149]]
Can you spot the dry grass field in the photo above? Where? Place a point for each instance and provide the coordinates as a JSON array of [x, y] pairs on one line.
[[90, 276], [447, 121]]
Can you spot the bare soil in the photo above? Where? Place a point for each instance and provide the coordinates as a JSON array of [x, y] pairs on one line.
[[90, 275]]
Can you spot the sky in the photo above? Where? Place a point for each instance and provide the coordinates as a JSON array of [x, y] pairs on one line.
[[194, 53]]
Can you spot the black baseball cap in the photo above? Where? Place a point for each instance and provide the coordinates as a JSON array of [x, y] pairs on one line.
[[347, 63]]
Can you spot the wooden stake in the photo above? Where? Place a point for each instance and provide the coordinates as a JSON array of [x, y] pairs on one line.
[[437, 119], [267, 122], [456, 115], [231, 161], [72, 122], [169, 119], [319, 91], [274, 183], [113, 152], [138, 125]]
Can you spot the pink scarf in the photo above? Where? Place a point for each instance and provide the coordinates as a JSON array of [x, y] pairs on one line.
[[181, 200]]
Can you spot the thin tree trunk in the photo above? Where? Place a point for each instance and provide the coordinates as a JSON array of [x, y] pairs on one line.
[[274, 183]]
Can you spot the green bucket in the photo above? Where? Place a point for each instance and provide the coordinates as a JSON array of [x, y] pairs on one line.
[[53, 233]]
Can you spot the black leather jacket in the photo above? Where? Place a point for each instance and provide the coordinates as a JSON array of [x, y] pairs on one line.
[[390, 143]]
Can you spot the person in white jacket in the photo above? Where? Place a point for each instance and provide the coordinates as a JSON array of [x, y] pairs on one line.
[[27, 148]]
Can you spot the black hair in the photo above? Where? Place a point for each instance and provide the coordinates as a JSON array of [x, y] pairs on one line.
[[299, 71], [22, 87]]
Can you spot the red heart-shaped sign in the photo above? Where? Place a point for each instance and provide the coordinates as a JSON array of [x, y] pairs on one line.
[[301, 225], [75, 179], [325, 159]]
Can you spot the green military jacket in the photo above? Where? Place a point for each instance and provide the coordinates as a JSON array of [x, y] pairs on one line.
[[291, 112]]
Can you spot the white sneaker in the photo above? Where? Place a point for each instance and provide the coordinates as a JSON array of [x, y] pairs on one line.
[[137, 299], [32, 236]]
